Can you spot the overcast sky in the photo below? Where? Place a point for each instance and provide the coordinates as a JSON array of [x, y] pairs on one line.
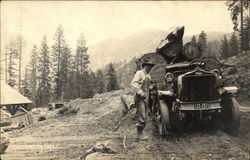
[[100, 20]]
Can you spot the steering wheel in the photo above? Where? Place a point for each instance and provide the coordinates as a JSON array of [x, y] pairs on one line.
[[197, 62]]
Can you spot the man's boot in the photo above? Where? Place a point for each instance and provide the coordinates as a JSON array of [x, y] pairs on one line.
[[140, 135], [155, 125], [139, 130]]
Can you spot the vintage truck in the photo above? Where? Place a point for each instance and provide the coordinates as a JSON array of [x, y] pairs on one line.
[[187, 87]]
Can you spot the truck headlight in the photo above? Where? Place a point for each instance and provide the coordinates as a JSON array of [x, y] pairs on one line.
[[169, 77]]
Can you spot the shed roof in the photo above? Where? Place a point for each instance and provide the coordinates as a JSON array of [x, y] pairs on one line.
[[11, 96]]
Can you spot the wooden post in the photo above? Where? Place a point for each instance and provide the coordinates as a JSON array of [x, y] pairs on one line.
[[12, 109]]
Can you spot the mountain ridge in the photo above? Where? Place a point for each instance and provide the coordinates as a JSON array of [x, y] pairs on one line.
[[134, 45]]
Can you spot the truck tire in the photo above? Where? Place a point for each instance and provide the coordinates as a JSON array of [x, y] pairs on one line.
[[231, 117], [164, 118]]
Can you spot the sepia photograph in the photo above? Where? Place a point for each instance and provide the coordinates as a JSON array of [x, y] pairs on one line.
[[125, 80]]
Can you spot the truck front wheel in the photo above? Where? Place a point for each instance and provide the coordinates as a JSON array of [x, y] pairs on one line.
[[231, 115]]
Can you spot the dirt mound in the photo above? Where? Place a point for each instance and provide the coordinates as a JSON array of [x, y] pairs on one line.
[[101, 122], [204, 141], [241, 77], [128, 91]]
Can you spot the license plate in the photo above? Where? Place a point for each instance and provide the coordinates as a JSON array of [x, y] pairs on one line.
[[201, 106]]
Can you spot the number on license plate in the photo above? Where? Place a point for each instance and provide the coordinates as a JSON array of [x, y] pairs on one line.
[[201, 105]]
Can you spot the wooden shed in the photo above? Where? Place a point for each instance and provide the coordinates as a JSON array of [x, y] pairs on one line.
[[16, 104]]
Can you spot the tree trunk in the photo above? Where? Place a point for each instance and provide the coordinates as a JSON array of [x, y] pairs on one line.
[[6, 65], [20, 52], [20, 64], [10, 69], [241, 27]]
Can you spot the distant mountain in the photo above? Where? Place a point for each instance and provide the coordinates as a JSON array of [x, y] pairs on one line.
[[116, 50], [113, 50]]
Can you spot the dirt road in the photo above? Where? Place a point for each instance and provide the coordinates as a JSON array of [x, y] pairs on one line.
[[67, 137]]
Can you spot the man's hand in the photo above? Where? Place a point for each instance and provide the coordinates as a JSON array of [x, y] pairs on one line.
[[142, 95]]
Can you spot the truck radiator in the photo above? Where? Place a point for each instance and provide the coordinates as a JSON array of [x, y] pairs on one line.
[[199, 88]]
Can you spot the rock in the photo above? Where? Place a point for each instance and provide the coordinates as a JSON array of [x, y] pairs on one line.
[[107, 147], [14, 127], [232, 71], [41, 118], [152, 57], [191, 51], [172, 44], [4, 144], [97, 95], [21, 125], [99, 156]]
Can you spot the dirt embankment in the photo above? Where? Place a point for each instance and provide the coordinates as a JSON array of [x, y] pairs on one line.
[[240, 76], [99, 120]]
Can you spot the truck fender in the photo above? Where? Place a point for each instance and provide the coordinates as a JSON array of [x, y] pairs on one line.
[[230, 89]]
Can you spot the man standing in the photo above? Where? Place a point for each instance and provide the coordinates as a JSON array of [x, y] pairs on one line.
[[137, 82]]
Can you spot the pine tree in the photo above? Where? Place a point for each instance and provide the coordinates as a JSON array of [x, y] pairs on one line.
[[193, 39], [6, 63], [111, 78], [81, 67], [24, 88], [202, 42], [237, 9], [12, 56], [72, 83], [65, 69], [44, 86], [100, 81], [61, 62], [246, 33], [224, 49], [81, 57], [209, 51], [20, 42], [233, 45], [213, 49], [91, 83], [56, 61], [85, 85], [33, 74], [71, 86]]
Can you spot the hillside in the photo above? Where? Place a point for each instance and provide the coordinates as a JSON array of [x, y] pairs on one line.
[[240, 76], [116, 50], [99, 126]]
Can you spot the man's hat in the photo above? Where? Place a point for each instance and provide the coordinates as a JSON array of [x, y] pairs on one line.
[[147, 62]]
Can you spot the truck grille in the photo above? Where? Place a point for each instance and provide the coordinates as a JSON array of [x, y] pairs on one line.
[[199, 88]]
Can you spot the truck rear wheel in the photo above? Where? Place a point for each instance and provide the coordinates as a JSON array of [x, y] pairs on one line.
[[231, 115], [164, 118]]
